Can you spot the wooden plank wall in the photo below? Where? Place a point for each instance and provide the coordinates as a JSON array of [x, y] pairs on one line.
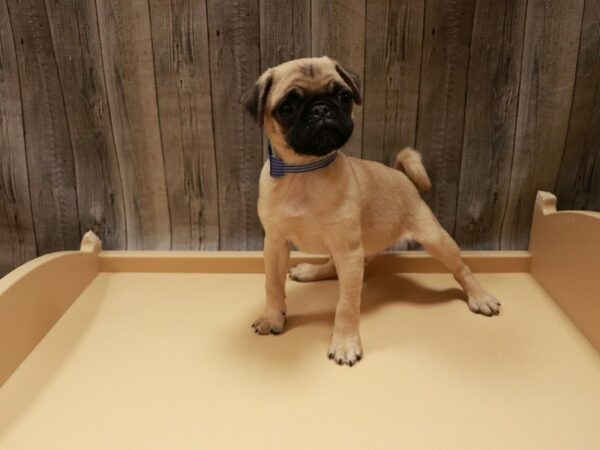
[[123, 116]]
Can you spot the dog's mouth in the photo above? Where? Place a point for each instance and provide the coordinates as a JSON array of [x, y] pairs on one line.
[[328, 139], [324, 139]]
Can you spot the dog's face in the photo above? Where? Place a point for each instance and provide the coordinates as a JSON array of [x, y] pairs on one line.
[[305, 104]]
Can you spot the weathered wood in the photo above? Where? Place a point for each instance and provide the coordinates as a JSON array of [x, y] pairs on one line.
[[578, 183], [490, 121], [552, 31], [50, 164], [129, 71], [181, 68], [17, 237], [123, 116], [284, 31], [338, 31], [235, 66], [446, 43], [394, 34], [76, 42]]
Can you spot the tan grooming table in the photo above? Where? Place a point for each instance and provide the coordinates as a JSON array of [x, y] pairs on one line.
[[154, 350]]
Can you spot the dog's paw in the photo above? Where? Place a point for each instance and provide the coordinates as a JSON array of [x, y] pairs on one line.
[[485, 304], [271, 322], [302, 272], [345, 349], [312, 272]]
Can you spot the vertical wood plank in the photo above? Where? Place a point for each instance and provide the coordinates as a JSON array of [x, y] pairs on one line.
[[76, 42], [552, 32], [394, 35], [578, 183], [49, 154], [490, 121], [284, 31], [444, 67], [338, 31], [17, 237], [129, 72], [234, 38], [181, 67]]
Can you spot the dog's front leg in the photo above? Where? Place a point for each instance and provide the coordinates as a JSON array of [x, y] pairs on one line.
[[277, 254], [345, 345]]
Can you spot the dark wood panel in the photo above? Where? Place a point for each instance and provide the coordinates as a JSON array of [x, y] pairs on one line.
[[284, 31], [235, 66], [444, 67], [394, 34], [129, 72], [552, 32], [181, 67], [124, 116], [76, 41], [490, 121], [578, 183], [338, 31], [50, 164], [17, 238]]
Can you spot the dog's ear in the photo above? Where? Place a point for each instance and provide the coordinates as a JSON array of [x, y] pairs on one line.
[[254, 99], [352, 80]]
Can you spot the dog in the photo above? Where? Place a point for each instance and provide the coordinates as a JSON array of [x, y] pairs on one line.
[[322, 201]]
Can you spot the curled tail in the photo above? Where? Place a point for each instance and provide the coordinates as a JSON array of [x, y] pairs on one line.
[[409, 162]]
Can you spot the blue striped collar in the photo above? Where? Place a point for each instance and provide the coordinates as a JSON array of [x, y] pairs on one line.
[[279, 168]]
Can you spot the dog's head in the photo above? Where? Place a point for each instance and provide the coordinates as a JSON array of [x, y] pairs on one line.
[[305, 105]]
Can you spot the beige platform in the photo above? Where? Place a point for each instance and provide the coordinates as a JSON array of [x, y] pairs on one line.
[[142, 350]]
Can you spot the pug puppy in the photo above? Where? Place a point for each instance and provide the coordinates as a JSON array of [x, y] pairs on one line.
[[333, 204]]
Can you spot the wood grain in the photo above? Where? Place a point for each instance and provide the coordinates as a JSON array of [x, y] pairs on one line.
[[76, 42], [284, 31], [338, 31], [394, 33], [552, 32], [50, 164], [490, 121], [124, 116], [181, 68], [234, 67], [17, 237], [446, 46], [129, 72], [578, 183]]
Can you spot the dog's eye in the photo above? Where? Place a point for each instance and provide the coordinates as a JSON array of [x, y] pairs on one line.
[[286, 108], [345, 97]]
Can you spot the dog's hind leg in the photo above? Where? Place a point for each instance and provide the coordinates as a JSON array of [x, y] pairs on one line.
[[438, 243], [316, 272], [313, 272]]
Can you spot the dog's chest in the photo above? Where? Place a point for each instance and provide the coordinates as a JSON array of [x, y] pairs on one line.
[[305, 233], [298, 215]]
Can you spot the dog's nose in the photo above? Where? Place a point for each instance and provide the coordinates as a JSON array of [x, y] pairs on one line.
[[320, 110]]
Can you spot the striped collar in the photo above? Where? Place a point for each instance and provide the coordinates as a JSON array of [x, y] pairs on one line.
[[279, 168]]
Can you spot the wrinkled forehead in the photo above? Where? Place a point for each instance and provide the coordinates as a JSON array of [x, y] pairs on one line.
[[311, 77]]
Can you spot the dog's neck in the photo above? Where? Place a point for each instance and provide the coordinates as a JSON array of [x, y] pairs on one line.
[[279, 167]]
